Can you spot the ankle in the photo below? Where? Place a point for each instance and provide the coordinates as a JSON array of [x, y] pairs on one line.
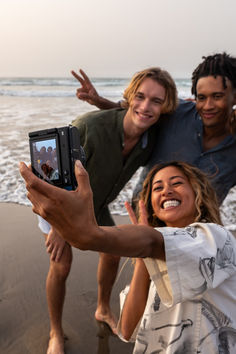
[[57, 333], [103, 309]]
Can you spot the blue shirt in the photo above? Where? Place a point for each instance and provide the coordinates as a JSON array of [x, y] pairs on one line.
[[180, 138]]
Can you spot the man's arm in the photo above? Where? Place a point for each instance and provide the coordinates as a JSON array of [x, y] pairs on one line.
[[72, 215], [88, 93]]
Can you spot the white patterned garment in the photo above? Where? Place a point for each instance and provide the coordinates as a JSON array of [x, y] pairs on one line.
[[191, 305]]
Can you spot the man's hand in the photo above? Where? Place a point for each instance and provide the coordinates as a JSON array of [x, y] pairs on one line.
[[55, 245], [71, 213], [88, 93]]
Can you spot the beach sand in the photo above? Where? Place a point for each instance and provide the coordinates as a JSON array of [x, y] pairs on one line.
[[24, 323]]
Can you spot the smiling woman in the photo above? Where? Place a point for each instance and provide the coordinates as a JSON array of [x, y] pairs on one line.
[[173, 197], [186, 306], [199, 198]]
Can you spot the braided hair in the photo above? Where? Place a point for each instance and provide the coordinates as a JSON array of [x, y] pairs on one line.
[[221, 64]]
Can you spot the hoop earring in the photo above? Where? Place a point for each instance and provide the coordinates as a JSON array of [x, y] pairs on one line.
[[233, 116], [233, 121]]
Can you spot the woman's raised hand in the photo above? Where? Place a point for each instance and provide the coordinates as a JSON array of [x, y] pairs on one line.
[[143, 216]]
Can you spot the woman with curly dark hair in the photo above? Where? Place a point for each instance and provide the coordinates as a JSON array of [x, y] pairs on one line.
[[182, 295]]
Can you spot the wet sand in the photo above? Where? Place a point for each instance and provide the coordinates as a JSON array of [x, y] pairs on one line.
[[24, 324]]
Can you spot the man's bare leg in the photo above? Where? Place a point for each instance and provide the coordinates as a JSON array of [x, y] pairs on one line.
[[55, 289], [106, 275]]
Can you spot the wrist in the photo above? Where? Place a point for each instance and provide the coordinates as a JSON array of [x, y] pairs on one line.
[[99, 102]]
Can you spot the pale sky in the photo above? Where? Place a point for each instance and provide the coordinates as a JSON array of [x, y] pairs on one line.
[[112, 37]]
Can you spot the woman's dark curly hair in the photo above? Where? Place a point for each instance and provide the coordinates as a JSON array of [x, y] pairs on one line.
[[207, 207]]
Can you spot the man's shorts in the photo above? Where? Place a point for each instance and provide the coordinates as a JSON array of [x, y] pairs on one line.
[[44, 226]]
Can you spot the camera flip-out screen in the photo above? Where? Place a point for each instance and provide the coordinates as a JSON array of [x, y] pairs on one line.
[[45, 159], [53, 154]]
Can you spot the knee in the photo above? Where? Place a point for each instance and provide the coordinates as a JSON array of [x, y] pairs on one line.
[[60, 270], [110, 260]]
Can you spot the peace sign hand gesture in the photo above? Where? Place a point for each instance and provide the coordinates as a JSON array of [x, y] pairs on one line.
[[143, 217]]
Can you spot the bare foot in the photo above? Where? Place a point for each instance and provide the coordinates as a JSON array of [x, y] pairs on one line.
[[108, 318], [56, 345]]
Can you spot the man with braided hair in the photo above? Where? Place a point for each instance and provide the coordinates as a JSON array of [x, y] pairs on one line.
[[204, 133], [215, 65]]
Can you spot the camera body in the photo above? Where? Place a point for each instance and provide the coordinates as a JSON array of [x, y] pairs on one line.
[[53, 154]]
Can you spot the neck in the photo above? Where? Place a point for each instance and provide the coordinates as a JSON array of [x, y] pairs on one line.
[[131, 131], [132, 135], [212, 136]]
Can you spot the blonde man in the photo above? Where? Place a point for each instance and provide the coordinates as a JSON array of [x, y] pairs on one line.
[[116, 143]]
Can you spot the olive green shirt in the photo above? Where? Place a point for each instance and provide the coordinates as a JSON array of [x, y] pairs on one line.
[[102, 137]]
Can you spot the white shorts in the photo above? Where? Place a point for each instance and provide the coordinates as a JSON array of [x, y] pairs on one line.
[[44, 226]]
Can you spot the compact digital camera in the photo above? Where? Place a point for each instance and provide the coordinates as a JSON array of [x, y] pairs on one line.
[[53, 155]]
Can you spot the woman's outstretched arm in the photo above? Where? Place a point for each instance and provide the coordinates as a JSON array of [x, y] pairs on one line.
[[72, 215]]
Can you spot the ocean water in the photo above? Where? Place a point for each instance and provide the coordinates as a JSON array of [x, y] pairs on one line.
[[28, 104]]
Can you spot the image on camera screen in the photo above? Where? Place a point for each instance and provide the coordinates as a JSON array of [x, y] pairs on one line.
[[45, 159]]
